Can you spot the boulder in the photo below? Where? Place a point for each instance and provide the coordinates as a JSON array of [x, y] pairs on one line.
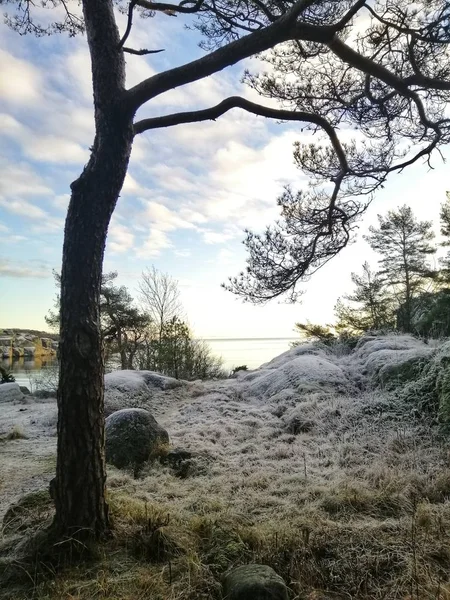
[[254, 582], [130, 389], [10, 392], [29, 351], [133, 436]]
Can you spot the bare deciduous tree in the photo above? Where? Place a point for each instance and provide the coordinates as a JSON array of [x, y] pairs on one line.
[[160, 296]]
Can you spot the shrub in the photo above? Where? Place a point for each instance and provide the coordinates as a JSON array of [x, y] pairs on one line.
[[6, 376]]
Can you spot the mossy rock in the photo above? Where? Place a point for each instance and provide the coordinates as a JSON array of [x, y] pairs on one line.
[[133, 437], [254, 582], [29, 511], [393, 375]]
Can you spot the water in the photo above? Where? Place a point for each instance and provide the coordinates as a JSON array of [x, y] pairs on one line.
[[252, 352], [26, 372]]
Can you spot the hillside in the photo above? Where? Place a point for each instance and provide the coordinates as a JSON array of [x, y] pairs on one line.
[[331, 467]]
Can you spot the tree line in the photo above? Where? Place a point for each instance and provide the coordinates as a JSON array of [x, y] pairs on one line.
[[151, 334], [409, 292]]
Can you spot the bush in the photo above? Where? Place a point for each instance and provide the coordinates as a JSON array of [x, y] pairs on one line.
[[6, 376]]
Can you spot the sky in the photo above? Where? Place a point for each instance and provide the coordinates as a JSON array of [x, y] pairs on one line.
[[189, 194]]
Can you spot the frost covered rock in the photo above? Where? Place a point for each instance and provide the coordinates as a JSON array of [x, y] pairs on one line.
[[132, 437], [254, 582], [10, 392], [297, 373], [393, 360], [300, 350], [127, 389], [371, 344]]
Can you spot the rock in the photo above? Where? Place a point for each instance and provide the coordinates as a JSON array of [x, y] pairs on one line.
[[29, 351], [10, 392], [254, 582], [128, 389], [24, 390], [132, 437]]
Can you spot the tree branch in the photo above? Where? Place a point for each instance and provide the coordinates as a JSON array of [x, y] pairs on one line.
[[129, 23], [142, 52], [210, 114], [285, 28], [171, 8]]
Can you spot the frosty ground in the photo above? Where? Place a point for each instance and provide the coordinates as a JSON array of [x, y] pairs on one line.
[[313, 463]]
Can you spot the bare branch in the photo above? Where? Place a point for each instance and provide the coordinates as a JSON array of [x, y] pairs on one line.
[[129, 23], [142, 52], [285, 28], [172, 8], [210, 114]]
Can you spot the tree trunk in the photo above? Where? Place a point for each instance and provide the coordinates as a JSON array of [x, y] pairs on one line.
[[79, 487], [81, 509]]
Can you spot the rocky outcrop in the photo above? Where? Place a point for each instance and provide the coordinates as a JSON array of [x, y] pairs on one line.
[[133, 436]]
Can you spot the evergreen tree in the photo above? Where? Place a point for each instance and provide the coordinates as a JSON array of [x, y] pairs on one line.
[[444, 273], [404, 245], [369, 307], [124, 326]]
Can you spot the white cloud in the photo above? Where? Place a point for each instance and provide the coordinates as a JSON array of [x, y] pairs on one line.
[[9, 268], [221, 236], [21, 82], [23, 208], [165, 219], [120, 238], [156, 242]]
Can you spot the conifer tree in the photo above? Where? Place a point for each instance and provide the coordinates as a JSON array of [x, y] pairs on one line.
[[369, 307], [404, 245]]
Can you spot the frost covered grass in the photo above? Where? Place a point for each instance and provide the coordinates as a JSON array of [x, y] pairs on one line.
[[342, 487]]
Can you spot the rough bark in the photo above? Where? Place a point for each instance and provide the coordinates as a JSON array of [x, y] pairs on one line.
[[79, 487]]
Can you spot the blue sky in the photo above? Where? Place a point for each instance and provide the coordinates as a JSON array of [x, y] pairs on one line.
[[188, 196]]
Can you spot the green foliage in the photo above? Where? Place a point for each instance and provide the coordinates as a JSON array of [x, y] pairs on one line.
[[6, 376], [240, 368], [342, 342], [369, 307], [430, 391], [124, 326], [404, 245], [318, 333], [393, 375], [178, 355]]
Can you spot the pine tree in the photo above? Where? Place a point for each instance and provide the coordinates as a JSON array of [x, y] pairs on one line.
[[404, 245], [369, 307]]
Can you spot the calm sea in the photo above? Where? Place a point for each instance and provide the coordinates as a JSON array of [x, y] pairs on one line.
[[252, 352]]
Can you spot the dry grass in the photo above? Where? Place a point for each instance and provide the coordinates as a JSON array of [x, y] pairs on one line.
[[16, 433], [347, 497]]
